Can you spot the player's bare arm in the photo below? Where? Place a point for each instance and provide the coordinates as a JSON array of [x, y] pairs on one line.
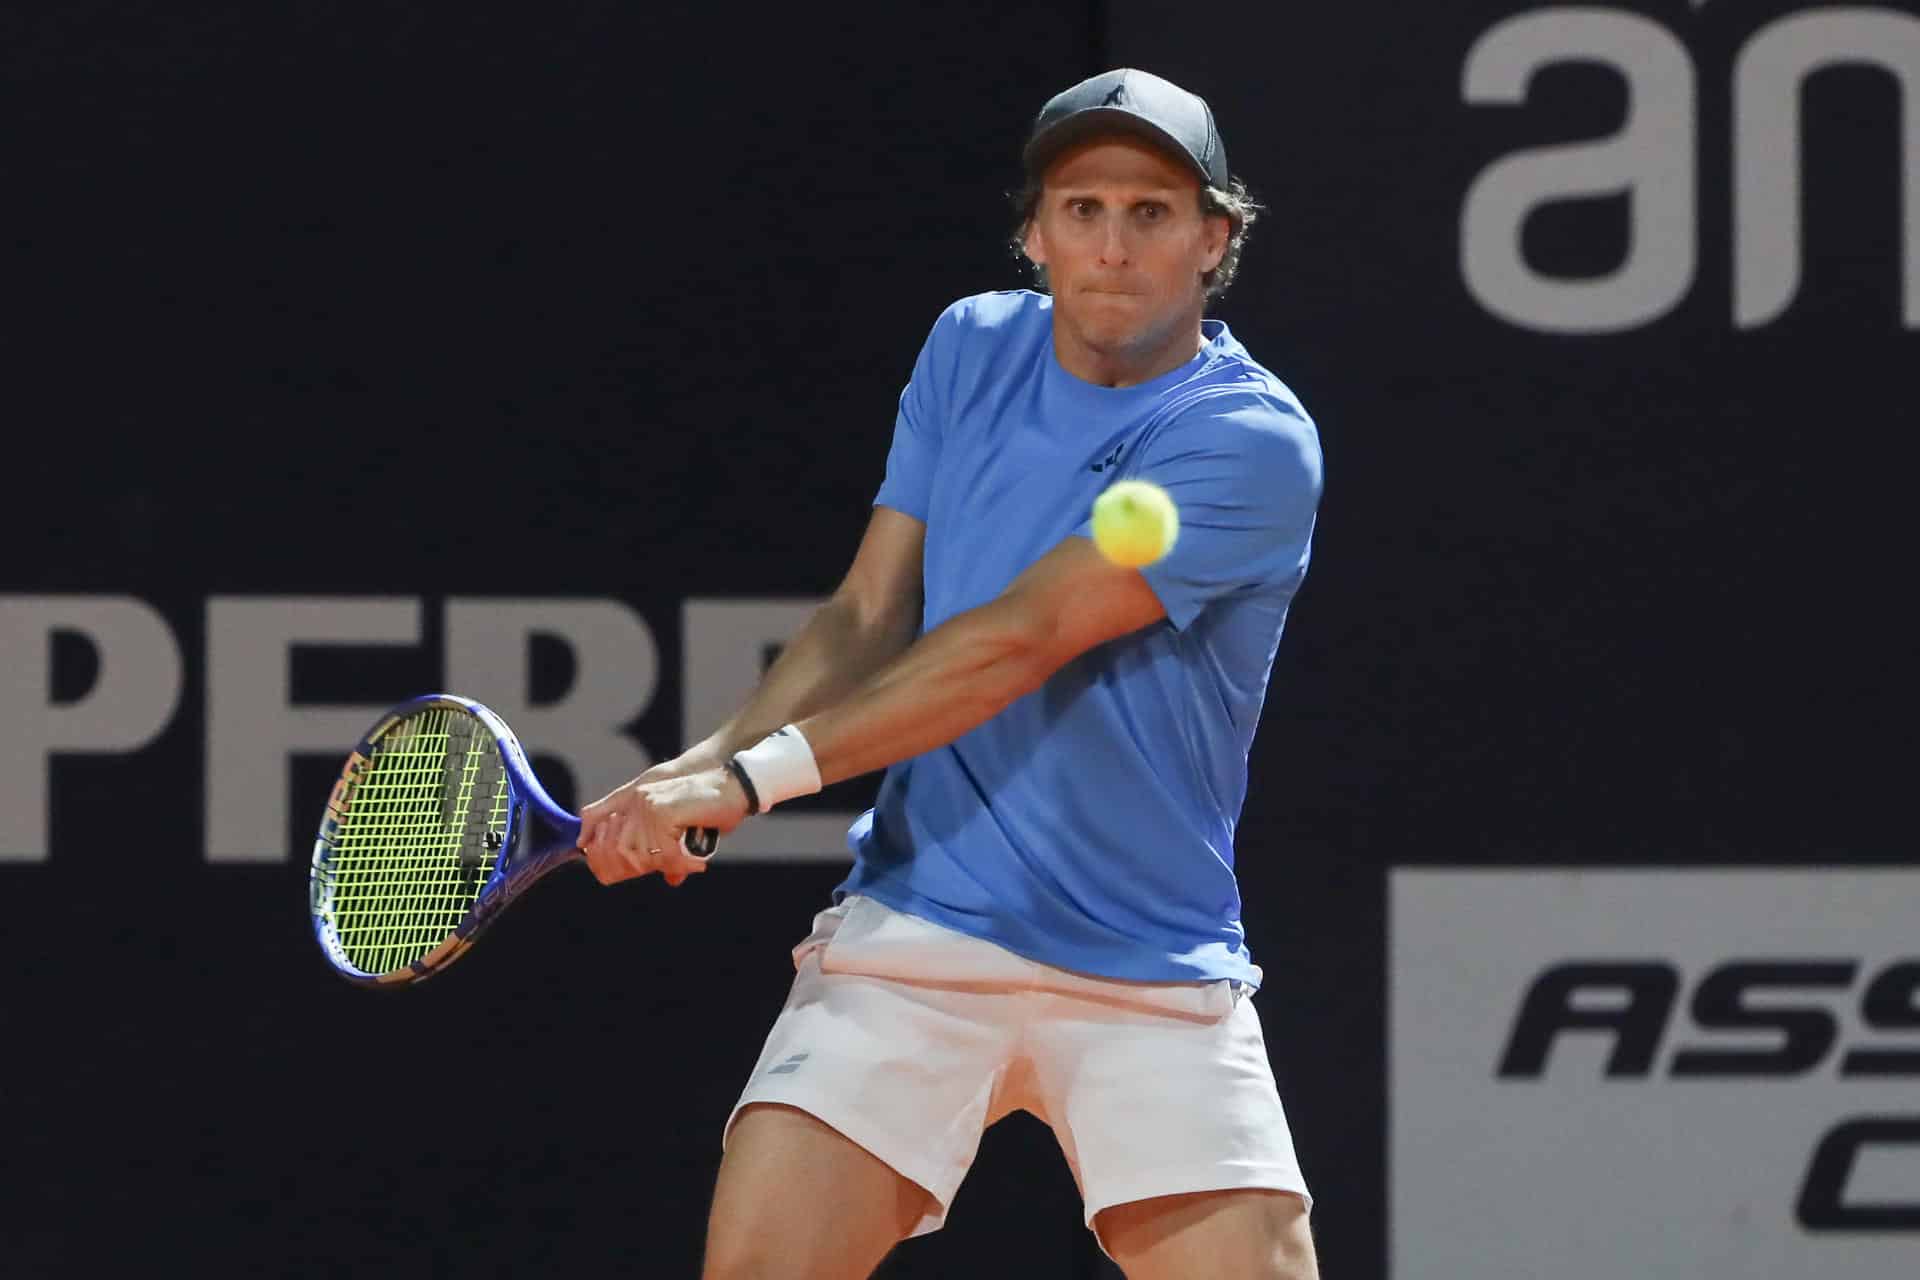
[[953, 679], [869, 620], [964, 672]]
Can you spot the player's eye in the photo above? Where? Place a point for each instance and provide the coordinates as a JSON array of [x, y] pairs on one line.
[[1081, 208], [1151, 210]]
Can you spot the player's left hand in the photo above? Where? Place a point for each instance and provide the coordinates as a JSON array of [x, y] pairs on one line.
[[635, 829]]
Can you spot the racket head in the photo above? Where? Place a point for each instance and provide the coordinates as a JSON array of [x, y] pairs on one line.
[[435, 823]]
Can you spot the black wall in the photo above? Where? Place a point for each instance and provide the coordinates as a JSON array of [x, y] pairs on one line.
[[292, 291]]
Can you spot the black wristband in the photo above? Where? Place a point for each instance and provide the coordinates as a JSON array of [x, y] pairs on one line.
[[739, 771]]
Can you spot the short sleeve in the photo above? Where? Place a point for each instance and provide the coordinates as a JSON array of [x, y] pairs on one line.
[[917, 427], [1244, 472]]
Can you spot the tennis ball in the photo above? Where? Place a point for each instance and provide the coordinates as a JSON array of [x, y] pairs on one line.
[[1134, 523]]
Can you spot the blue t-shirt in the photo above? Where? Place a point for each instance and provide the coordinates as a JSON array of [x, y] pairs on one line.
[[1089, 825]]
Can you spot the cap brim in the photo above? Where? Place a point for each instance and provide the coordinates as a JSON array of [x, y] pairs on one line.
[[1095, 122]]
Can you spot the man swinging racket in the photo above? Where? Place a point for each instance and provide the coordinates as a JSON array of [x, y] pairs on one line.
[[1042, 912]]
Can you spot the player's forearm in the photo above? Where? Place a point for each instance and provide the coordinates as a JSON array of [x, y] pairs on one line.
[[953, 679], [837, 649]]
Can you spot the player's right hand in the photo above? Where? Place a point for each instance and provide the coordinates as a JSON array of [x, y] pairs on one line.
[[621, 842], [694, 759], [601, 828], [636, 830]]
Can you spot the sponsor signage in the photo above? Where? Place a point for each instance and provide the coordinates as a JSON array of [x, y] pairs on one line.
[[1660, 148], [257, 724], [1662, 1073]]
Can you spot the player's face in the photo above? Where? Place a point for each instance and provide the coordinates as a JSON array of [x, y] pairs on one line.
[[1120, 232]]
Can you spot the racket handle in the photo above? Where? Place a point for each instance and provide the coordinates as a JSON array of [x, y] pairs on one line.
[[700, 842]]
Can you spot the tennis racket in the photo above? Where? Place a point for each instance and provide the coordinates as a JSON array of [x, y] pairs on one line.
[[436, 824]]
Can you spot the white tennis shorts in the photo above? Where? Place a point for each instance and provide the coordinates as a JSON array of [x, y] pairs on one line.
[[910, 1039]]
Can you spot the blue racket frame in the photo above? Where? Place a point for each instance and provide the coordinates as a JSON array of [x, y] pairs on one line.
[[540, 838]]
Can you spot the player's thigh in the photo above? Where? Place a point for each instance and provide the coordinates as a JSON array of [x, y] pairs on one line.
[[1150, 1102], [797, 1199], [1243, 1234]]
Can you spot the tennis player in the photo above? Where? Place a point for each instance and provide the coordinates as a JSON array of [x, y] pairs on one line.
[[1042, 912]]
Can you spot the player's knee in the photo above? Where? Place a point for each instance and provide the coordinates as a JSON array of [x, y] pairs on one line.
[[1290, 1254], [764, 1257], [745, 1260], [1272, 1260], [1225, 1235], [745, 1242]]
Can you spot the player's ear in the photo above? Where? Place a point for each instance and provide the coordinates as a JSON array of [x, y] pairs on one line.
[[1035, 242], [1219, 232]]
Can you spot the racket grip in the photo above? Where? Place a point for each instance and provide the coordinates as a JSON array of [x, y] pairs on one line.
[[700, 842]]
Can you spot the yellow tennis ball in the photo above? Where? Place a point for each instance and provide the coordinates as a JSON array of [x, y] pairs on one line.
[[1134, 523]]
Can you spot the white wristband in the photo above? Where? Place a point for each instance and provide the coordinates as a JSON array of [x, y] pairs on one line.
[[781, 766]]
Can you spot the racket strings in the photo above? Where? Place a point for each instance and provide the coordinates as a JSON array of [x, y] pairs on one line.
[[418, 835]]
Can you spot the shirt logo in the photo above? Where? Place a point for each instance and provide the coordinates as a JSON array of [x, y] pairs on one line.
[[1111, 460]]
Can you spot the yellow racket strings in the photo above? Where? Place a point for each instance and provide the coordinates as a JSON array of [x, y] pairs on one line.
[[419, 836]]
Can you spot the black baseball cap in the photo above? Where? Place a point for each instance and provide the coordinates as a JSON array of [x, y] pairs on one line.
[[1136, 102]]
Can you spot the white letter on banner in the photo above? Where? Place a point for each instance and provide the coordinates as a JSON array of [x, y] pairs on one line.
[[616, 668], [253, 728], [1767, 80], [131, 700], [1651, 159], [727, 646]]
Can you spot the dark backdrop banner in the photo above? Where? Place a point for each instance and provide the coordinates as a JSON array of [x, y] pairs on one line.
[[1608, 316], [551, 352]]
